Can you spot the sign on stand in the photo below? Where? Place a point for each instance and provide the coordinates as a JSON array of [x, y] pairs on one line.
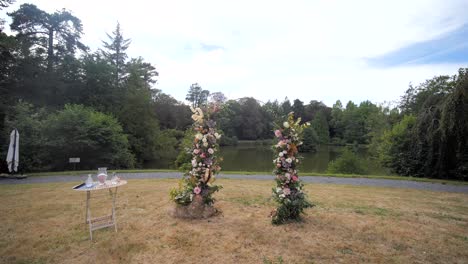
[[74, 161]]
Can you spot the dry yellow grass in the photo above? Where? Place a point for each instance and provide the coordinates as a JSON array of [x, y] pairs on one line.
[[44, 223]]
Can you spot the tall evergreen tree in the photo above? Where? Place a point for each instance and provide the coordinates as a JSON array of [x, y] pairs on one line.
[[115, 52]]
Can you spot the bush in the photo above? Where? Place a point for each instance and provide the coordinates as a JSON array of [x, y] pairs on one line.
[[347, 163], [29, 122], [183, 160], [78, 131]]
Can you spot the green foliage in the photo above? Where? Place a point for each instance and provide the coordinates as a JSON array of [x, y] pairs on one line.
[[183, 161], [246, 119], [454, 126], [38, 30], [197, 96], [310, 141], [416, 97], [138, 118], [115, 52], [397, 149], [320, 126], [228, 141], [47, 141], [288, 193], [77, 131], [432, 142], [347, 163], [30, 125], [171, 113]]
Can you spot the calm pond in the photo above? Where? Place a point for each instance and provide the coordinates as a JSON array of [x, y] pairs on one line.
[[250, 157]]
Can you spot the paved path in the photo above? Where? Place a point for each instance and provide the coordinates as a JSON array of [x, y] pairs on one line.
[[309, 179]]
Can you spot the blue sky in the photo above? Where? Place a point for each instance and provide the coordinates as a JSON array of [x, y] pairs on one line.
[[311, 50]]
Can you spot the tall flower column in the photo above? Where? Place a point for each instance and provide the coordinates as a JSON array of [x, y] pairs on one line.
[[288, 193], [194, 195]]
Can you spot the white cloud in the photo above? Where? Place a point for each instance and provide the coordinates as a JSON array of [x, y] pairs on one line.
[[272, 49]]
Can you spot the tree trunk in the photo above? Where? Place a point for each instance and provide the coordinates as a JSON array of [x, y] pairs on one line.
[[50, 50]]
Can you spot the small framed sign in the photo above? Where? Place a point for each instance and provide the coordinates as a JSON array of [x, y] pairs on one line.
[[74, 160]]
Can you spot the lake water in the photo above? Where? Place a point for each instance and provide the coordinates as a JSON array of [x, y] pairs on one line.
[[250, 157]]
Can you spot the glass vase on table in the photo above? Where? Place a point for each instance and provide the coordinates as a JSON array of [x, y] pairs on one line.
[[89, 182], [102, 175], [115, 179]]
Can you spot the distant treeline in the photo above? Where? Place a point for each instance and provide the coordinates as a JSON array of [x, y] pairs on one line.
[[69, 101]]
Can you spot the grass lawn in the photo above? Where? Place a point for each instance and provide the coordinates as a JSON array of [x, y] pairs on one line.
[[44, 223]]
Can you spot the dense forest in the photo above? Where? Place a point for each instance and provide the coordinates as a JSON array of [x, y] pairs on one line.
[[69, 101]]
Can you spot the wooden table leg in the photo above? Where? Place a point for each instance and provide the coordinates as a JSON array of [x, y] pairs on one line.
[[88, 214], [114, 198]]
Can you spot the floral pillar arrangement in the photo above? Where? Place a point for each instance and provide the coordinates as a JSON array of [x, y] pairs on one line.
[[288, 193], [194, 194]]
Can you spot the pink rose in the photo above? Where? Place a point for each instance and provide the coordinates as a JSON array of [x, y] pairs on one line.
[[287, 191], [203, 155], [196, 151], [278, 165], [197, 190], [295, 178], [278, 133], [210, 150]]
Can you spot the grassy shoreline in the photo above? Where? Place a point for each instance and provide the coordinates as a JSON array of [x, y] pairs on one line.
[[307, 174]]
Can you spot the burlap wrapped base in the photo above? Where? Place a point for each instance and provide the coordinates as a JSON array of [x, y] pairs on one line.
[[196, 210]]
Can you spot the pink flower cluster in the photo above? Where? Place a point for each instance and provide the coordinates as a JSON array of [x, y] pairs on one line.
[[204, 160], [286, 159]]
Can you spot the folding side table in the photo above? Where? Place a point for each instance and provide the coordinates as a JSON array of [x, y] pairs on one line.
[[103, 221]]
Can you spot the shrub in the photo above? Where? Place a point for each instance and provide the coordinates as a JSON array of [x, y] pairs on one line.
[[79, 131], [183, 160], [347, 163], [29, 122]]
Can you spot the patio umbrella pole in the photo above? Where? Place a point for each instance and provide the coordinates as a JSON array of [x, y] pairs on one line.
[[14, 153]]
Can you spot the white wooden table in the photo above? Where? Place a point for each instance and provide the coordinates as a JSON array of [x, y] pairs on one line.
[[102, 221]]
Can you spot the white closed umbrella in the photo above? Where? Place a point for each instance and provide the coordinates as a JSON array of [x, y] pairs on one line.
[[13, 151]]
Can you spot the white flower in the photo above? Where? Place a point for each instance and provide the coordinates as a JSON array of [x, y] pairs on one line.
[[278, 189], [287, 175], [198, 136], [308, 123], [205, 144], [288, 160], [204, 140], [194, 163], [199, 164], [285, 152], [286, 124], [281, 154], [282, 195], [197, 114], [218, 136], [210, 150]]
